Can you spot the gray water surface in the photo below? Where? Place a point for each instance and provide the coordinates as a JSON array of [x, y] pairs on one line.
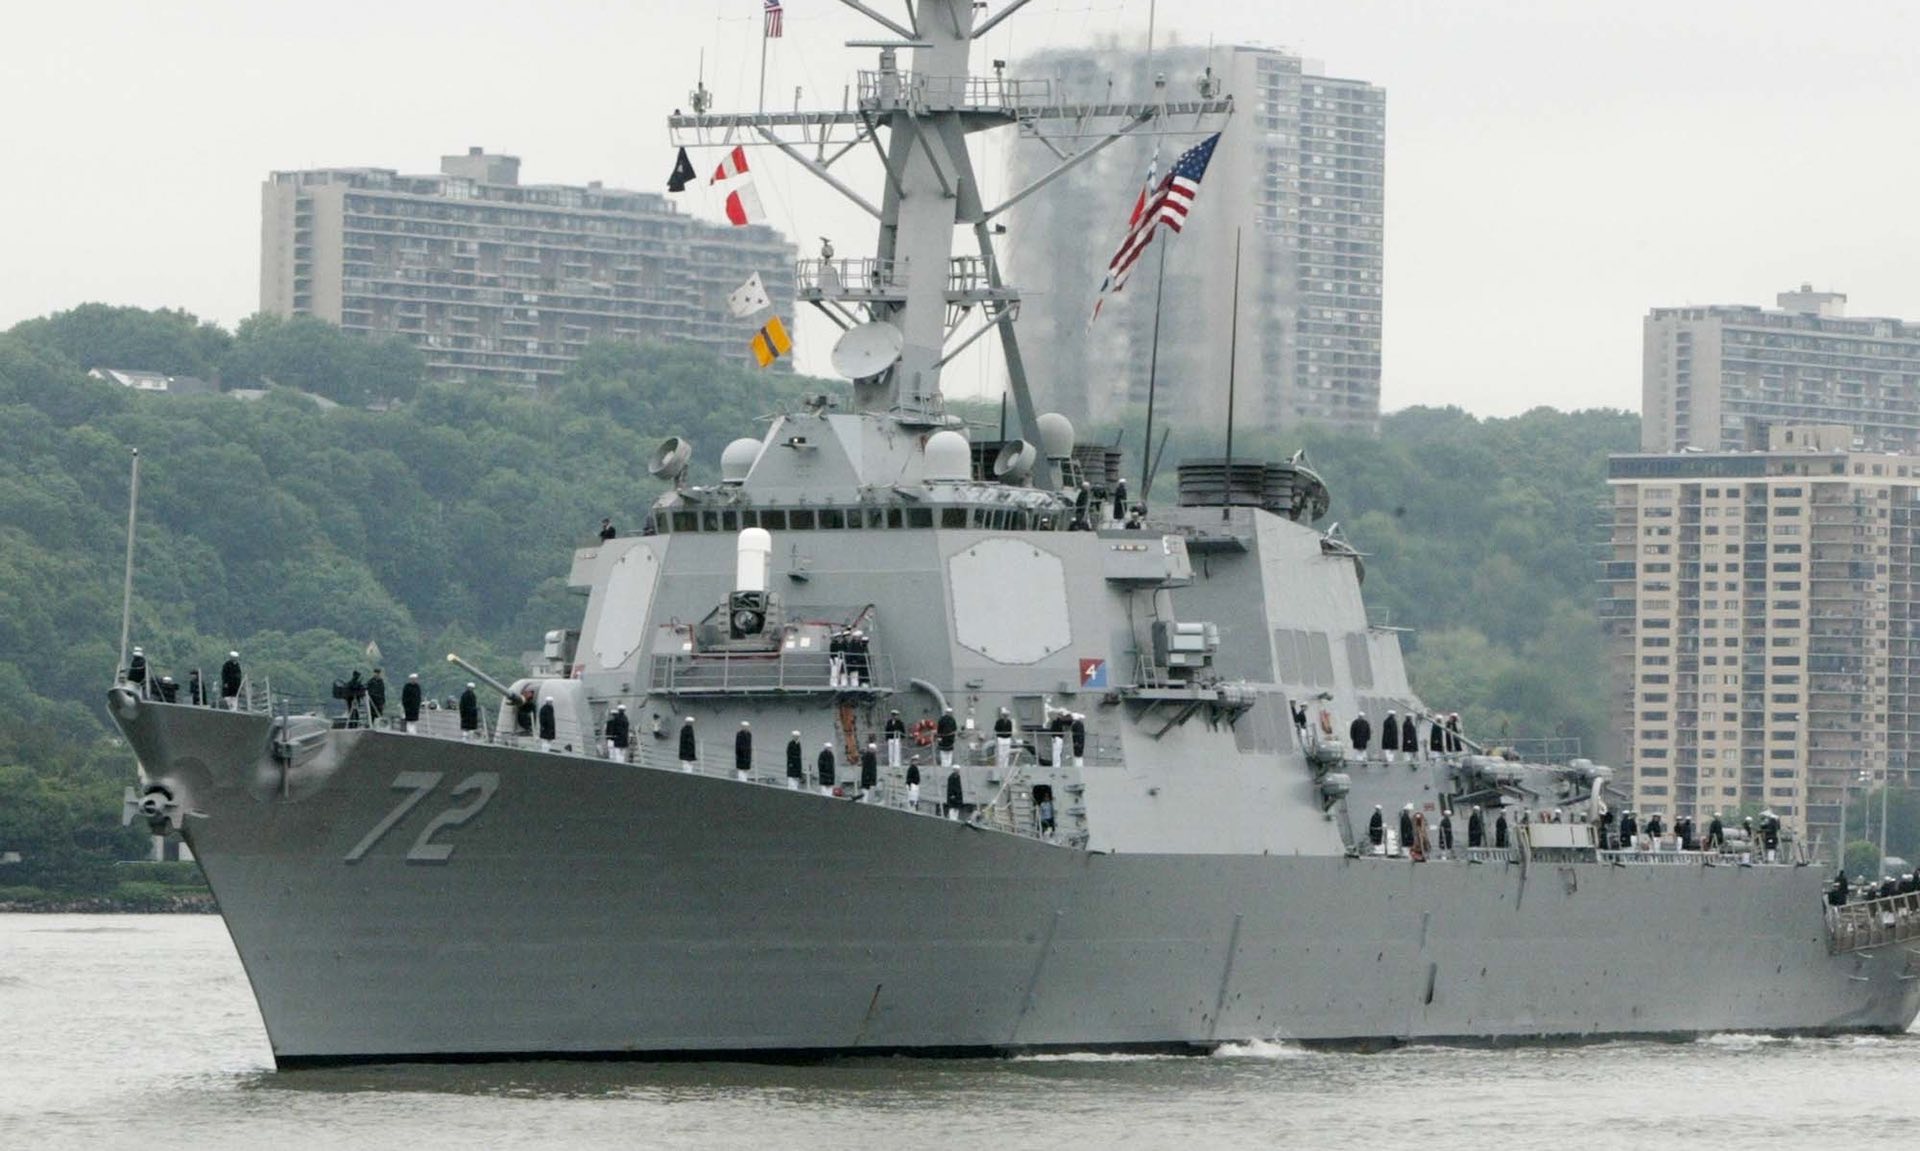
[[139, 1031]]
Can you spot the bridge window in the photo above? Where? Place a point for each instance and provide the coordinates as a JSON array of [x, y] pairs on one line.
[[832, 518], [800, 520], [953, 517]]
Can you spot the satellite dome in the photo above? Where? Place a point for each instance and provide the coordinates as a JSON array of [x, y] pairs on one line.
[[949, 457], [1056, 435], [737, 459]]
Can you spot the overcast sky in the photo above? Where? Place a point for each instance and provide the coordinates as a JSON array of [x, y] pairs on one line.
[[1553, 169]]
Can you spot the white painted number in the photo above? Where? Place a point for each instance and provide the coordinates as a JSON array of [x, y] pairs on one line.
[[418, 785]]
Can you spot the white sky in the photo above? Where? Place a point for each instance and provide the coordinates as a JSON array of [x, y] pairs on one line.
[[1553, 168]]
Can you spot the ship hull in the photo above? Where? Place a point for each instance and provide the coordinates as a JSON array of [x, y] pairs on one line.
[[584, 908]]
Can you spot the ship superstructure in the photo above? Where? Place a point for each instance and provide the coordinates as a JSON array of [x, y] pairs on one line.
[[943, 745]]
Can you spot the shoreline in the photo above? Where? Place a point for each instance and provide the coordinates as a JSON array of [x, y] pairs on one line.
[[192, 904]]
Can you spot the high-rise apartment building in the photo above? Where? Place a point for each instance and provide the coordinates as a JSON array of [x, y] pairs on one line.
[[494, 279], [1717, 378], [1763, 610], [1298, 180]]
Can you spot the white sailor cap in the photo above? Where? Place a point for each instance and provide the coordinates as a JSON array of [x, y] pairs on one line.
[[746, 723], [415, 675], [796, 735], [622, 707], [689, 719], [233, 655]]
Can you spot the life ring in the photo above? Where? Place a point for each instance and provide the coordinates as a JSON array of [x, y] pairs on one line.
[[922, 732], [1326, 721]]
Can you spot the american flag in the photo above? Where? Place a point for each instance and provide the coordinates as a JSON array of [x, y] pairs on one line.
[[774, 14], [1168, 203]]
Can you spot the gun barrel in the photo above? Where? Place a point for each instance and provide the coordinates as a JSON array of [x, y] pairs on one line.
[[482, 676]]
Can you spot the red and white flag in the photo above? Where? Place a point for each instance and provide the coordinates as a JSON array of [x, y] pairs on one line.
[[743, 201], [774, 15], [744, 207], [734, 165]]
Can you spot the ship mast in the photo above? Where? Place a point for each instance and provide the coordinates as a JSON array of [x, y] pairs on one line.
[[918, 120]]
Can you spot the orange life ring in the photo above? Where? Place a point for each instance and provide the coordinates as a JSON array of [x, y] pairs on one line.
[[922, 732], [1326, 721]]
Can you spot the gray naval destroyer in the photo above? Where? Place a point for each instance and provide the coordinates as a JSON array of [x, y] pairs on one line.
[[1192, 866]]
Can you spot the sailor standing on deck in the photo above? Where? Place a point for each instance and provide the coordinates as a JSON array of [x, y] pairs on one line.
[[1360, 733], [1446, 833], [547, 723], [869, 772], [1436, 738], [1770, 833], [619, 734], [743, 751], [823, 768], [230, 682], [469, 715], [1500, 830], [956, 794], [1476, 828], [1406, 828], [1410, 737], [377, 695], [944, 732], [1003, 740], [689, 750], [913, 783], [410, 704], [1077, 728], [896, 738], [1454, 746], [1057, 738], [1389, 736], [796, 769], [195, 691], [137, 672], [1377, 830]]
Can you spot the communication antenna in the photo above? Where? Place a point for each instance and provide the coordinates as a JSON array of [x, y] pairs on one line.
[[700, 98], [867, 350], [669, 460]]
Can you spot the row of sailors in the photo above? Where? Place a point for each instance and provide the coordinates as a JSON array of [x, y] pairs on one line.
[[1401, 733], [1629, 835], [1862, 889], [163, 688]]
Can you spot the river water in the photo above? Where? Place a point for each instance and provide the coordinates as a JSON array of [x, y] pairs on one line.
[[139, 1031]]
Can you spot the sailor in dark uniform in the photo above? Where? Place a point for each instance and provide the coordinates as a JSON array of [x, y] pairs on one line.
[[230, 679], [619, 734], [1453, 733], [1629, 832], [1500, 830], [469, 715], [1003, 740], [896, 739], [1716, 834], [1476, 828], [1607, 831], [137, 672], [1409, 737], [1077, 730], [377, 695], [196, 692], [869, 771], [1377, 829], [1406, 828], [1655, 829], [1119, 501], [354, 691], [1446, 831], [1770, 833], [1436, 738], [523, 708], [944, 732], [1837, 894], [823, 768], [1299, 707], [547, 724], [837, 659], [796, 769], [1683, 827], [410, 703], [913, 782], [1390, 735], [1360, 733], [689, 749], [743, 751], [956, 795], [607, 531]]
